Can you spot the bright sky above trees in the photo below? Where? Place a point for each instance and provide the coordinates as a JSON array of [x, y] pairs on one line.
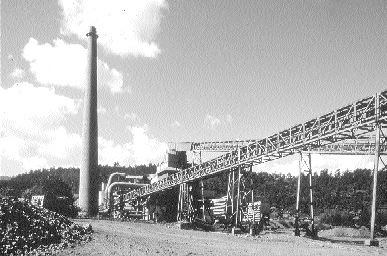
[[180, 71]]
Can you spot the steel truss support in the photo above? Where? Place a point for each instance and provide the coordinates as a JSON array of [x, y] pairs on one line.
[[311, 195], [232, 203], [238, 199], [202, 198], [145, 207], [296, 222], [380, 140], [349, 122], [238, 195], [308, 165], [185, 210]]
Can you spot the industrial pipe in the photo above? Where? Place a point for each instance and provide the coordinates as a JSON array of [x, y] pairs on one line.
[[134, 177], [120, 184], [110, 180]]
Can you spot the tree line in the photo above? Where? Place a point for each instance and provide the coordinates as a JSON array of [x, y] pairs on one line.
[[348, 191], [35, 179]]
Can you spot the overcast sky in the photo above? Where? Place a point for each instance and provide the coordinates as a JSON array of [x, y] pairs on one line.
[[180, 71]]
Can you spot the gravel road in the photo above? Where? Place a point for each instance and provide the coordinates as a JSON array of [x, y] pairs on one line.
[[134, 238]]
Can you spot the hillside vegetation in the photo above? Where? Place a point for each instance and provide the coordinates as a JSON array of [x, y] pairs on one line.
[[341, 196], [20, 183]]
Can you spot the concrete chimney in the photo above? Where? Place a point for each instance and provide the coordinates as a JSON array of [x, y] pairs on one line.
[[88, 176]]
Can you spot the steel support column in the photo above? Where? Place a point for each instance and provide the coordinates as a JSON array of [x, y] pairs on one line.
[[237, 213], [311, 194], [228, 200], [233, 197], [202, 194], [233, 193], [252, 192], [375, 180], [296, 222], [184, 209]]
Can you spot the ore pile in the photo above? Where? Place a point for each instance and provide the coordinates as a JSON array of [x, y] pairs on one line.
[[26, 229]]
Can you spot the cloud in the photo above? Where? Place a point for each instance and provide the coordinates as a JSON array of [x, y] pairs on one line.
[[32, 133], [101, 110], [65, 65], [60, 144], [143, 149], [342, 162], [319, 162], [10, 146], [176, 124], [17, 73], [211, 121], [131, 116], [125, 27], [24, 105], [34, 163]]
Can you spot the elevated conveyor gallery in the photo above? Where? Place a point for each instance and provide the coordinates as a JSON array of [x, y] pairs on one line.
[[353, 121], [356, 129]]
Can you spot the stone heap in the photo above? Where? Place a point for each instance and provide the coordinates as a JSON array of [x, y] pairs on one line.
[[26, 229]]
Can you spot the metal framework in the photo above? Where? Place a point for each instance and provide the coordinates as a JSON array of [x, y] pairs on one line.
[[239, 192], [219, 146], [359, 146], [233, 195], [308, 165], [185, 209], [370, 148], [352, 121]]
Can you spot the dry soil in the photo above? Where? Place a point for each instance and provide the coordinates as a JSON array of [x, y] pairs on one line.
[[134, 238]]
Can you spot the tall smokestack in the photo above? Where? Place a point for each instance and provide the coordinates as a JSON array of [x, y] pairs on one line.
[[88, 177]]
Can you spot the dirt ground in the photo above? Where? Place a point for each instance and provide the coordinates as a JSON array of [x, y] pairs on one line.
[[134, 238]]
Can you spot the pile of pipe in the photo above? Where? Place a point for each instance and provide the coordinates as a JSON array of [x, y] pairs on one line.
[[28, 229]]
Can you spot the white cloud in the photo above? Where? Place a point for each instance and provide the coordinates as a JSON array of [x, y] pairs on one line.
[[143, 149], [176, 124], [31, 132], [25, 103], [10, 147], [64, 64], [109, 152], [60, 143], [17, 73], [229, 118], [211, 121], [131, 116], [125, 27], [34, 163], [319, 162], [342, 162], [101, 110]]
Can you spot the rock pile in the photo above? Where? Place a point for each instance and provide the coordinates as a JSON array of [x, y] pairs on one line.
[[28, 229]]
